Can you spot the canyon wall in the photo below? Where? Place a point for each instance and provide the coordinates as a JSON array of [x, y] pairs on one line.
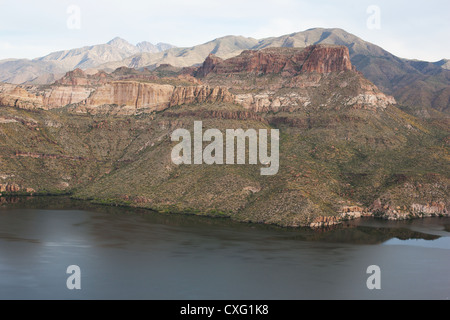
[[316, 76], [287, 61]]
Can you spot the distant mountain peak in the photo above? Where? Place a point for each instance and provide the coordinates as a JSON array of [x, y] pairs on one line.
[[120, 43], [164, 46], [117, 40]]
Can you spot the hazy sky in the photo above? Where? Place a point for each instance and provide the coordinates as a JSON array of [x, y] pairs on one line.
[[409, 29]]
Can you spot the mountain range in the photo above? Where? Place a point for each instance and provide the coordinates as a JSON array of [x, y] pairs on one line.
[[347, 149], [54, 65], [420, 87]]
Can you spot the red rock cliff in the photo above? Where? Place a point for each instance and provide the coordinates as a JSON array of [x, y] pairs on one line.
[[288, 61], [325, 59]]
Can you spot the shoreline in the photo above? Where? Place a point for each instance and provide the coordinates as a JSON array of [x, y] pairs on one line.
[[318, 223]]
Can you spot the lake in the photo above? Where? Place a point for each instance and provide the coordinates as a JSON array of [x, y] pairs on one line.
[[128, 253]]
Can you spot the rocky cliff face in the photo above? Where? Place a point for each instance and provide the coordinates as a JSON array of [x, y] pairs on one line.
[[325, 59], [208, 66], [15, 96], [122, 97], [272, 79], [130, 97], [287, 61], [290, 79], [200, 94], [139, 95], [59, 96]]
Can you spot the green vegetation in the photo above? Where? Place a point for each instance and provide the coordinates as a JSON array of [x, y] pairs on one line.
[[343, 157]]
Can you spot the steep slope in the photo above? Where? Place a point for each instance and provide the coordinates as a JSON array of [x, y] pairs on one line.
[[23, 70]]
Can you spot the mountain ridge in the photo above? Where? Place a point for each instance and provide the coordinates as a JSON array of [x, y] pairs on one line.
[[27, 70], [420, 86]]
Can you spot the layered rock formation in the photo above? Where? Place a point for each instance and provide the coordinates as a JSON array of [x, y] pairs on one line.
[[129, 97], [354, 212], [10, 187], [287, 61], [257, 80], [131, 93], [200, 94], [60, 96], [15, 96], [126, 97], [415, 210], [35, 98], [325, 59], [325, 221], [319, 76]]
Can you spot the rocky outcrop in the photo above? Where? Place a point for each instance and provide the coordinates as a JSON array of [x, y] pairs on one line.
[[200, 94], [317, 76], [60, 96], [325, 59], [415, 211], [14, 188], [208, 66], [388, 211], [287, 61], [272, 101], [139, 95], [353, 212], [10, 187], [325, 221], [53, 97], [15, 96], [130, 97], [310, 72], [78, 77], [375, 99], [435, 208]]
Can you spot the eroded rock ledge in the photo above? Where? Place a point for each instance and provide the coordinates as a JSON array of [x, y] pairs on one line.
[[386, 212]]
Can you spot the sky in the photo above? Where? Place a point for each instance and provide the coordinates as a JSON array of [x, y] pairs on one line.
[[408, 29]]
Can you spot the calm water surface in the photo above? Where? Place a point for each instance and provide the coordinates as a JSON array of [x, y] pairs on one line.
[[138, 254]]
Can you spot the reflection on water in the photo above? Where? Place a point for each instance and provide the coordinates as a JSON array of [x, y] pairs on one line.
[[131, 253]]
